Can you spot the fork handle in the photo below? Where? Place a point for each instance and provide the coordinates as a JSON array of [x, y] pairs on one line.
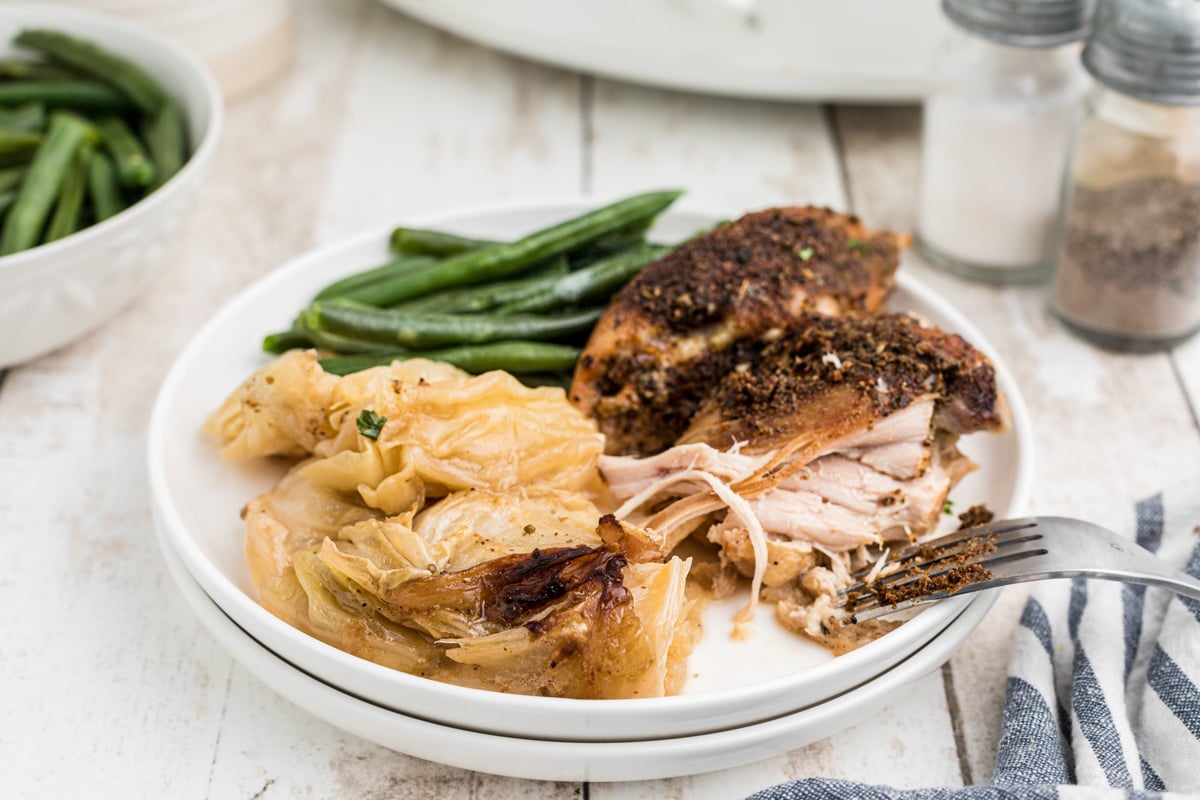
[[1179, 582]]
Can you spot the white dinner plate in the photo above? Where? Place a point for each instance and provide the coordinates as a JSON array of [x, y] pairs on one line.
[[539, 759], [770, 49], [196, 498]]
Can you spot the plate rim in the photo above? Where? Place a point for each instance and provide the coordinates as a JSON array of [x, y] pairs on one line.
[[222, 590]]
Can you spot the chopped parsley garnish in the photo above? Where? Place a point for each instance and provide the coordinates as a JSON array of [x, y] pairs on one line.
[[370, 424], [855, 244], [948, 509], [805, 254]]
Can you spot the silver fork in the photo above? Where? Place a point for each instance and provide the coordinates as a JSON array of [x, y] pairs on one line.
[[1006, 552]]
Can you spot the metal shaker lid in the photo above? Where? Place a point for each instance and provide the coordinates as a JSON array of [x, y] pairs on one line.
[[1149, 49], [1023, 23]]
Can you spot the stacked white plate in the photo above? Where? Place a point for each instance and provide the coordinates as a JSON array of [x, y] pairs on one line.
[[744, 700]]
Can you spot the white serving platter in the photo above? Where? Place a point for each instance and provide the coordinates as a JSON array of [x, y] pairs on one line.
[[540, 759], [196, 498], [864, 50]]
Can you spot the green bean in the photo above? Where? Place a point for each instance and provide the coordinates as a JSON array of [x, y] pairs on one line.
[[358, 280], [498, 295], [504, 260], [301, 336], [35, 71], [341, 343], [77, 95], [51, 163], [103, 189], [422, 241], [559, 380], [7, 199], [11, 178], [134, 167], [437, 330], [13, 142], [441, 243], [19, 160], [294, 338], [615, 242], [470, 299], [515, 356], [28, 118], [70, 197], [102, 64], [590, 284], [167, 141]]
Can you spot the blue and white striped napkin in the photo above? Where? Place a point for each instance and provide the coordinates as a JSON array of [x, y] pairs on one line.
[[1103, 698]]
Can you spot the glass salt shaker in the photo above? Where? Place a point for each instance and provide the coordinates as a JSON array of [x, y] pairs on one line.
[[1128, 241], [1006, 92]]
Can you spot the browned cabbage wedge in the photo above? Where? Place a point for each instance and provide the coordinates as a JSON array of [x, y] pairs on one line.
[[451, 430], [515, 592], [482, 525], [595, 647], [281, 410], [292, 516]]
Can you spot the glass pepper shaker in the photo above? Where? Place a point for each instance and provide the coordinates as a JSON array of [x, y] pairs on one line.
[[1006, 91], [1128, 241]]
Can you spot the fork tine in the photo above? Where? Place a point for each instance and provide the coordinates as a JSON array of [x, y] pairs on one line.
[[999, 528], [872, 600], [873, 612], [937, 555], [906, 578], [1005, 532], [963, 554]]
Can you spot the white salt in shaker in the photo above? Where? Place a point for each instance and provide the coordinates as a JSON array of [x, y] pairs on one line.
[[998, 118]]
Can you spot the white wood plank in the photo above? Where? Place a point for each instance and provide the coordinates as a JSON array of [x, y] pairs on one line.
[[433, 122], [1110, 429], [1187, 365], [110, 689], [730, 155], [878, 751], [270, 746], [99, 662]]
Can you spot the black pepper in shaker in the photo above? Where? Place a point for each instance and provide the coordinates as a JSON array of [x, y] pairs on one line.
[[1127, 244]]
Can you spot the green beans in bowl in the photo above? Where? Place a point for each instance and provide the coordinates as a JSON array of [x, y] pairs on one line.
[[106, 133]]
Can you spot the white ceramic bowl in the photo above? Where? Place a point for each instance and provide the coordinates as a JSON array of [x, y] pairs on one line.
[[540, 759], [196, 498], [55, 293]]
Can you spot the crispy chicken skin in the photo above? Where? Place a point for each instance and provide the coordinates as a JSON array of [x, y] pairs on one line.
[[691, 317], [828, 377]]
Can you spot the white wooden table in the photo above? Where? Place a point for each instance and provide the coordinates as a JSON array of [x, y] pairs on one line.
[[109, 687]]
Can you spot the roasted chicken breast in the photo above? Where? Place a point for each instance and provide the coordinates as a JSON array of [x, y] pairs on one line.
[[689, 318]]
